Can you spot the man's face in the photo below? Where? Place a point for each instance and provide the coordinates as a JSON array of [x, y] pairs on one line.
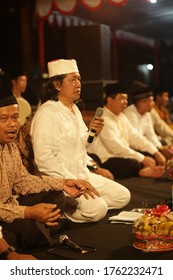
[[70, 89], [164, 99], [147, 104], [117, 104], [9, 123], [19, 84]]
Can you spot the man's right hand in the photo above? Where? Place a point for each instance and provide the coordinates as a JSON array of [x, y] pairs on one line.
[[89, 189], [45, 213]]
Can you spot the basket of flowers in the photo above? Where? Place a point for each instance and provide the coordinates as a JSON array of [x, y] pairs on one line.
[[154, 230]]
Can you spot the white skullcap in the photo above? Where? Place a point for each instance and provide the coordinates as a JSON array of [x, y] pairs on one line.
[[62, 66]]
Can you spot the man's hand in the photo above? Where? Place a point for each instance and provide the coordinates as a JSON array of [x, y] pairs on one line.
[[89, 190], [97, 124], [167, 151], [105, 173], [73, 187], [45, 213]]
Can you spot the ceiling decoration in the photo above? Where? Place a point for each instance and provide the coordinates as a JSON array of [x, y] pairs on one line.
[[61, 13], [45, 7]]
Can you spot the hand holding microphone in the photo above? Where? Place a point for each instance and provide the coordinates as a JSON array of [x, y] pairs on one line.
[[96, 124]]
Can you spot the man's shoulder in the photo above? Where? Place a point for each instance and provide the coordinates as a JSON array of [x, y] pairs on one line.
[[130, 109], [21, 100]]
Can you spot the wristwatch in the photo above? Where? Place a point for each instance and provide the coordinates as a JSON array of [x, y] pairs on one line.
[[93, 167], [5, 254]]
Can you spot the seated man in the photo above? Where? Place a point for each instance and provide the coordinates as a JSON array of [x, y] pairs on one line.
[[139, 116], [8, 252], [59, 137], [19, 82], [161, 99], [31, 207], [162, 129], [117, 143]]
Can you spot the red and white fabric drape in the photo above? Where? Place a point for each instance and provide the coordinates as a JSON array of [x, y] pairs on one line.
[[57, 11], [45, 7]]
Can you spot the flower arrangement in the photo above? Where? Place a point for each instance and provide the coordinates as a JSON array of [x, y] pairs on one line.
[[154, 229]]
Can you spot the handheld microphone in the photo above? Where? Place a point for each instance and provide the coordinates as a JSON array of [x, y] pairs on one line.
[[64, 240], [92, 132]]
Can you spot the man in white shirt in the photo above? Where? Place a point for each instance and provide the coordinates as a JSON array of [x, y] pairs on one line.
[[59, 136], [139, 116], [118, 142], [19, 84], [162, 129]]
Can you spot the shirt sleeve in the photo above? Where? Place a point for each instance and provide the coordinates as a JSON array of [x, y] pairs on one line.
[[147, 129], [150, 133], [26, 183], [10, 211], [140, 142], [114, 144], [160, 126], [128, 146]]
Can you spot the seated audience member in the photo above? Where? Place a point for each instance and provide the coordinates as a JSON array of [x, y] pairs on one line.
[[31, 207], [162, 129], [8, 252], [139, 116], [117, 143], [161, 99], [59, 137], [18, 86]]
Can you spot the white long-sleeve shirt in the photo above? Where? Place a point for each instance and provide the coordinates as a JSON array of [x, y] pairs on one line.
[[143, 124], [119, 139], [59, 140], [160, 126]]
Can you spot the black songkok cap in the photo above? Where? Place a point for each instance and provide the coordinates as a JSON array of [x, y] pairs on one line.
[[139, 91], [113, 89], [7, 98]]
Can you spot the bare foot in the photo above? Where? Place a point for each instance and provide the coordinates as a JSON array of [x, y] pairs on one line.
[[155, 172]]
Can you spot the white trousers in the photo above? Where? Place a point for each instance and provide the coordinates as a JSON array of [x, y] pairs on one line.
[[112, 196]]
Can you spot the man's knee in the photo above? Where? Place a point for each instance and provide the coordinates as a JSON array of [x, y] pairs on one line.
[[97, 210]]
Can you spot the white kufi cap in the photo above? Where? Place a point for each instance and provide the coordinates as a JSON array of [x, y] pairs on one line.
[[62, 66]]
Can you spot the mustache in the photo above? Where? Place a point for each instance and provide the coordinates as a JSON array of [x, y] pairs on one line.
[[11, 131]]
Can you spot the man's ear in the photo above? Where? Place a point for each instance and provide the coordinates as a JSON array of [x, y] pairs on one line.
[[109, 100], [57, 85]]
